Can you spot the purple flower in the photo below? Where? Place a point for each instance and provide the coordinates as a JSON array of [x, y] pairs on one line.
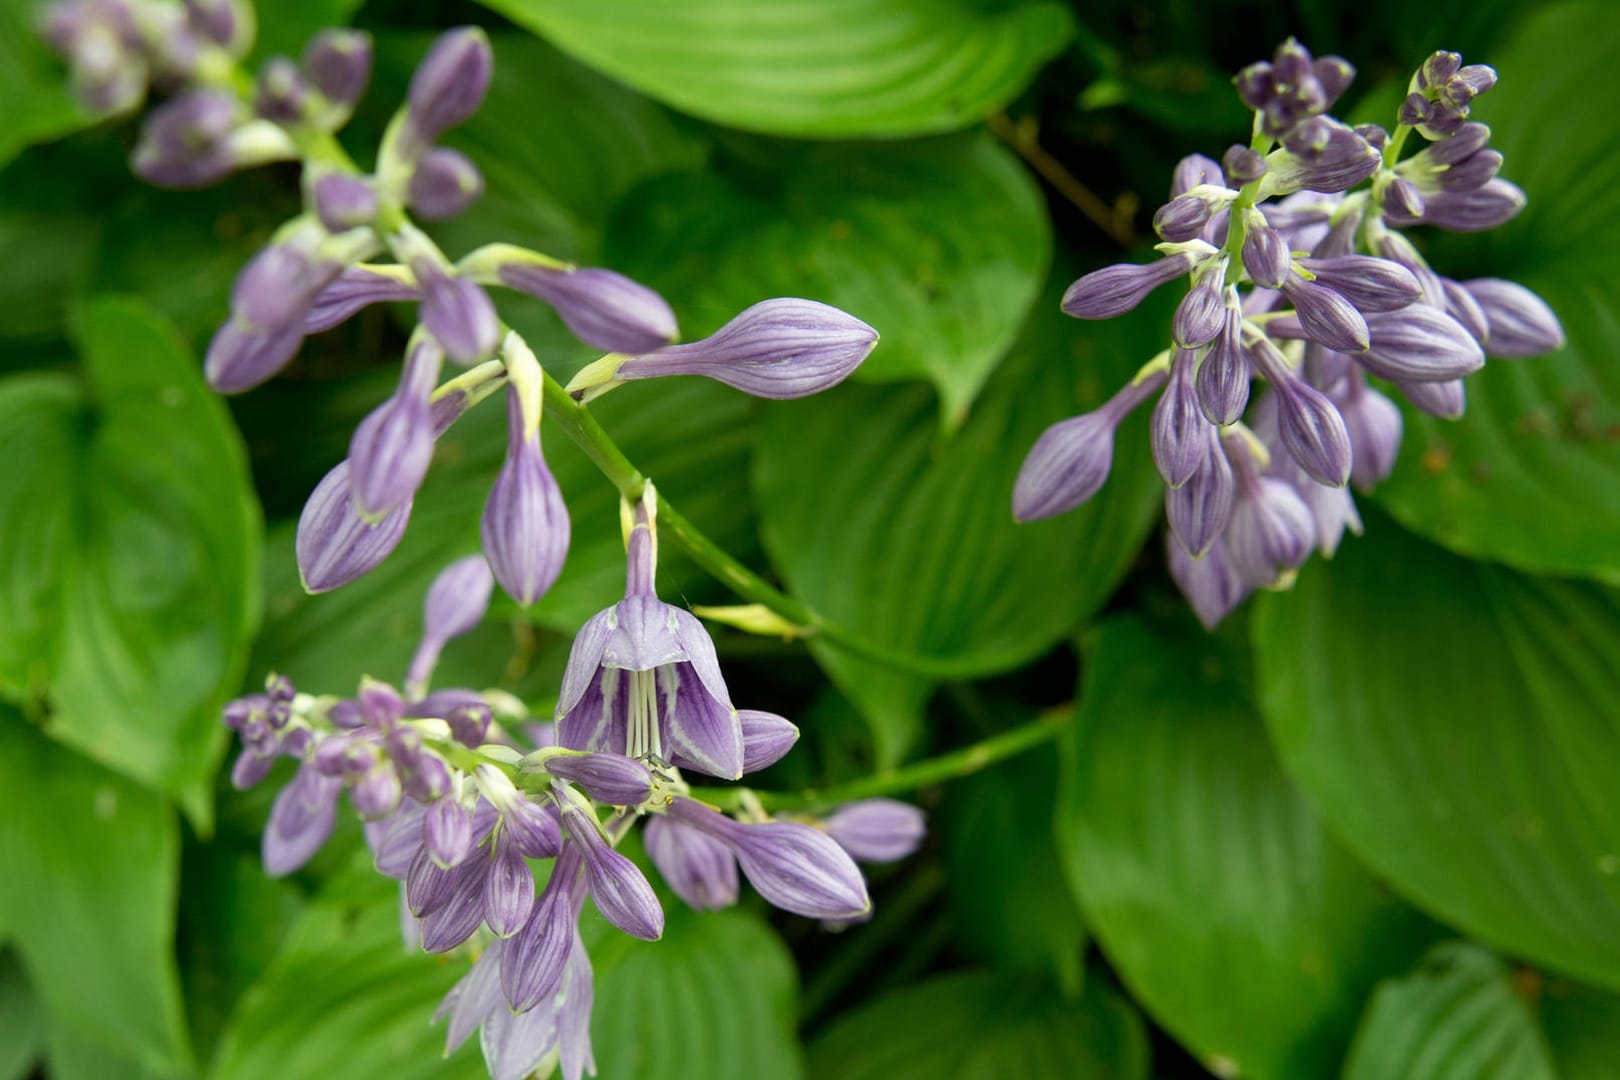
[[301, 820], [344, 202], [447, 87], [1114, 290], [339, 64], [393, 446], [356, 288], [455, 605], [601, 308], [700, 869], [1209, 583], [1520, 322], [525, 526], [1069, 463], [270, 301], [876, 830], [443, 184], [456, 311], [607, 778], [766, 738]]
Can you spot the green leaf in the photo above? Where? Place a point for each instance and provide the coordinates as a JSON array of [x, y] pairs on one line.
[[1583, 1029], [288, 25], [1458, 725], [877, 525], [345, 997], [815, 68], [22, 1020], [33, 84], [1008, 898], [88, 899], [716, 998], [1531, 476], [132, 567], [47, 240], [1457, 1017], [977, 1025], [1246, 931], [941, 246]]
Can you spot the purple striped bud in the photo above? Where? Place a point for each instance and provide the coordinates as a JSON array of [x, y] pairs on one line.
[[1521, 324], [1332, 510], [1183, 217], [300, 821], [1374, 423], [469, 724], [1223, 377], [1199, 510], [1114, 290], [378, 791], [1242, 165], [443, 184], [1402, 201], [534, 828], [269, 302], [356, 288], [344, 202], [780, 349], [1327, 317], [339, 64], [1485, 207], [427, 778], [698, 868], [1420, 344], [1445, 399], [611, 312], [334, 545], [618, 887], [1319, 155], [1314, 433], [227, 23], [1210, 584], [608, 778], [1069, 463], [877, 830], [1192, 171], [427, 885], [525, 526], [533, 961], [1461, 305], [457, 312], [1471, 172], [250, 768], [462, 912], [1179, 428], [1266, 256], [1366, 281], [1469, 140], [281, 93], [1272, 531], [393, 446], [1335, 74], [508, 889], [795, 867], [447, 833], [1414, 110], [395, 843], [99, 39], [1438, 69], [185, 142], [455, 605], [1202, 312], [1375, 134], [448, 86], [766, 738]]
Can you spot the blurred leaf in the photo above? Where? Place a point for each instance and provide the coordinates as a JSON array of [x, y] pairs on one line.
[[814, 68], [47, 240], [1583, 1028], [1531, 476], [978, 1025], [22, 1020], [69, 1056], [1236, 921], [1458, 725], [941, 246], [344, 996], [691, 436], [88, 899], [132, 566], [877, 525], [716, 998], [1457, 1017], [1008, 898], [287, 25], [33, 83]]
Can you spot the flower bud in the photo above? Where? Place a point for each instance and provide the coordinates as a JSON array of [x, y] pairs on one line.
[[611, 312], [1114, 290], [785, 348], [1266, 256], [1202, 312], [1199, 510], [1069, 463], [1374, 424], [533, 961], [1209, 583], [344, 202], [1366, 281], [1313, 432], [357, 287], [1222, 380], [1493, 203], [1242, 165], [444, 183], [698, 868], [1335, 74], [462, 912], [1461, 305], [1192, 171], [185, 142], [456, 311], [1327, 317], [1178, 427], [448, 86], [281, 93], [1183, 217], [608, 778], [447, 833], [1521, 324], [525, 526], [1320, 155], [766, 738], [877, 830], [1469, 140], [618, 887], [1420, 343], [339, 64], [377, 793], [534, 828], [508, 890], [250, 768], [1402, 201], [393, 446], [300, 821], [1271, 532], [334, 544], [1445, 399]]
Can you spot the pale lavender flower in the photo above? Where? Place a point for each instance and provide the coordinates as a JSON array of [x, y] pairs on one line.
[[701, 870], [877, 830], [1069, 463], [603, 309], [1210, 584]]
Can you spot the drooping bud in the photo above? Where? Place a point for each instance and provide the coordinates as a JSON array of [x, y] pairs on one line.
[[618, 887], [456, 311], [1199, 510], [1202, 312], [1114, 290], [608, 778], [1366, 281], [447, 833], [1313, 432], [1374, 423], [392, 447], [1493, 203], [1420, 343], [1266, 256], [1223, 377], [356, 288], [1069, 463], [611, 312], [462, 912], [1209, 583], [877, 830], [443, 184], [201, 136], [780, 349], [1521, 324], [525, 527], [1327, 317], [766, 738], [1184, 217], [1242, 165], [455, 605], [700, 869], [508, 889], [533, 961], [1445, 399], [1179, 429], [344, 202], [1271, 532], [339, 64], [377, 792], [334, 544], [281, 93], [300, 821]]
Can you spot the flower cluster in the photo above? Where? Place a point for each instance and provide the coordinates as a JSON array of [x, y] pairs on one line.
[[322, 267], [1312, 288], [455, 810]]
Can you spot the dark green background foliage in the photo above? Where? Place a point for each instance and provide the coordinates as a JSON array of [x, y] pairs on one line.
[[1371, 829]]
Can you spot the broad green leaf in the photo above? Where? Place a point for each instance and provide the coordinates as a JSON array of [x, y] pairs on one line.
[[70, 1056], [33, 83], [716, 998], [1583, 1029], [1236, 921], [130, 556], [1009, 900], [877, 524], [22, 1019], [1458, 726], [345, 997], [88, 899], [940, 246], [1531, 475], [816, 68], [978, 1025], [1457, 1017]]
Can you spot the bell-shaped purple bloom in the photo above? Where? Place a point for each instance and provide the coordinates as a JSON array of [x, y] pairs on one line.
[[339, 64], [1069, 463], [607, 778], [701, 870], [1420, 343], [603, 309], [392, 447], [1521, 324], [300, 820], [1114, 290], [457, 312], [1209, 583], [766, 737], [356, 288], [448, 86], [443, 184], [877, 830], [1199, 510], [525, 527], [784, 348], [1179, 429]]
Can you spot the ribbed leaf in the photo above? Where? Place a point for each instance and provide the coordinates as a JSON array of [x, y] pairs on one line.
[[819, 68], [1246, 931], [1457, 1017], [977, 1025], [1458, 725]]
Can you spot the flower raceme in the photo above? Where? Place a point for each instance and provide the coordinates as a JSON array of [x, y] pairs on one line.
[[1315, 290]]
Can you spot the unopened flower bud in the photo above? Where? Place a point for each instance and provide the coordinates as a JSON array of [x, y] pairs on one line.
[[339, 64], [525, 527], [1461, 305], [1114, 290], [1069, 463], [618, 887], [700, 869], [609, 311], [1178, 427], [393, 446], [444, 183], [533, 961], [1327, 317], [281, 93], [508, 889], [1202, 312], [456, 311], [1209, 583], [766, 738], [1420, 343], [448, 86], [462, 912], [1493, 203], [334, 544], [300, 821], [447, 833], [608, 778], [1199, 510], [1242, 165], [1521, 324], [877, 830], [357, 287], [344, 202], [1366, 281], [1266, 256], [1445, 399], [1271, 533], [1374, 424]]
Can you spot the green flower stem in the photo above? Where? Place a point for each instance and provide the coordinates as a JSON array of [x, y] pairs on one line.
[[958, 763]]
